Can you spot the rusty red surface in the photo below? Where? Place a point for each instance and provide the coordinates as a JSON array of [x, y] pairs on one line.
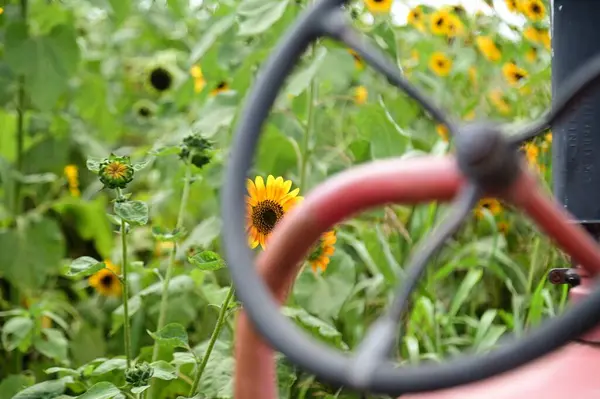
[[412, 181]]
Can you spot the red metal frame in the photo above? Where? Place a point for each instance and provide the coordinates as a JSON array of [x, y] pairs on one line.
[[408, 181]]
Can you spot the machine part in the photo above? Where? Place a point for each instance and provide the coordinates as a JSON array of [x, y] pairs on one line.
[[406, 181]]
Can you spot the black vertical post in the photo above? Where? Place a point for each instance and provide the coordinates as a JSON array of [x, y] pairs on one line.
[[576, 139]]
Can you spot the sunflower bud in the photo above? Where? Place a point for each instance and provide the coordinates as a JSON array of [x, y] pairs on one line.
[[139, 375], [196, 149], [116, 172]]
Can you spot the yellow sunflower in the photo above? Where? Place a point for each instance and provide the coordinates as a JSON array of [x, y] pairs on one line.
[[360, 95], [491, 204], [440, 64], [512, 73], [439, 22], [72, 175], [531, 152], [221, 87], [266, 204], [503, 227], [106, 281], [379, 6], [531, 54], [498, 99], [415, 18], [454, 26], [358, 62], [533, 9], [544, 38], [488, 48], [442, 131], [322, 251], [198, 76], [512, 5]]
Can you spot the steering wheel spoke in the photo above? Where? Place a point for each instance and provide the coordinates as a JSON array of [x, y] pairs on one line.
[[336, 25], [380, 338]]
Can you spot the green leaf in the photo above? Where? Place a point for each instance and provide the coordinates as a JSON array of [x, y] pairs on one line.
[[13, 384], [101, 390], [315, 326], [218, 112], [52, 343], [93, 164], [260, 15], [173, 335], [300, 81], [141, 389], [46, 61], [46, 389], [210, 36], [164, 371], [178, 284], [141, 165], [133, 212], [465, 289], [31, 252], [68, 371], [162, 234], [110, 365], [374, 125], [16, 333], [203, 235], [85, 266], [207, 260]]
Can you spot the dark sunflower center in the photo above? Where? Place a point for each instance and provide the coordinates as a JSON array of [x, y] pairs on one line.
[[161, 79], [265, 216], [221, 85], [519, 76], [144, 111], [107, 280], [439, 22], [441, 63], [535, 8]]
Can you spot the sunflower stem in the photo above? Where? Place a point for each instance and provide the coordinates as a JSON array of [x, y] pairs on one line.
[[126, 330], [312, 94], [213, 339], [20, 124]]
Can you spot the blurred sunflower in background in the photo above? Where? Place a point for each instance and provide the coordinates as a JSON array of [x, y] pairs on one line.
[[513, 73], [219, 88], [266, 204], [105, 281], [160, 78], [379, 6], [320, 255], [491, 204], [440, 64]]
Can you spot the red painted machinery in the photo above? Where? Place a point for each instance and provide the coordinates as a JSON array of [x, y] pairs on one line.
[[557, 360]]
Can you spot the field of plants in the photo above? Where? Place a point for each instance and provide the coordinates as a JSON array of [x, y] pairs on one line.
[[116, 118]]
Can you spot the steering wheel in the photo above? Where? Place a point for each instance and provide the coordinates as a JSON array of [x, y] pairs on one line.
[[486, 163]]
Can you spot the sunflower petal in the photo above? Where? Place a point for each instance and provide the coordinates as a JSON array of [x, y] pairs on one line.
[[270, 186], [260, 188], [285, 188], [251, 188]]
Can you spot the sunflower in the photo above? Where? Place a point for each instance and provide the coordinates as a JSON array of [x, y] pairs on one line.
[[358, 62], [531, 54], [454, 26], [442, 131], [473, 77], [533, 9], [379, 6], [531, 152], [532, 34], [547, 143], [440, 64], [544, 37], [512, 5], [162, 248], [360, 95], [72, 175], [512, 73], [488, 48], [491, 204], [198, 76], [503, 227], [106, 281], [439, 22], [415, 18], [266, 205], [498, 99], [322, 251], [221, 87], [160, 79]]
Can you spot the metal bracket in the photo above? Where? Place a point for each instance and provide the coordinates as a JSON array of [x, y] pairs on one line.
[[564, 276]]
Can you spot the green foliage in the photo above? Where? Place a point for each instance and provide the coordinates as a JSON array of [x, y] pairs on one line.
[[113, 282]]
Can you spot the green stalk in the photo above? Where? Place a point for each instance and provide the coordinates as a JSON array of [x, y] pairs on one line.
[[164, 300], [20, 124], [213, 339], [311, 94], [126, 330]]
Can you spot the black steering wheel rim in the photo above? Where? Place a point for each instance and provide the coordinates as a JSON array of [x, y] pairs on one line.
[[282, 334]]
